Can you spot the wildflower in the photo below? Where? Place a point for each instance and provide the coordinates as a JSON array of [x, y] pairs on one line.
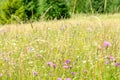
[[112, 58], [66, 67], [35, 73], [107, 44], [54, 65], [117, 64], [68, 79], [67, 61], [107, 62], [59, 78], [49, 63], [72, 73]]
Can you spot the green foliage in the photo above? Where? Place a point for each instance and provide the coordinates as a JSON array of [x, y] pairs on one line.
[[24, 10], [19, 10], [113, 6], [54, 9], [98, 6], [31, 8], [94, 6], [12, 11], [78, 6]]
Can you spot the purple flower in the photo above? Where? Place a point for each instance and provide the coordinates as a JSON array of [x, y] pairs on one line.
[[112, 58], [35, 73], [107, 62], [67, 61], [66, 67], [117, 64], [107, 44], [68, 78], [54, 65], [59, 78], [72, 73], [49, 63]]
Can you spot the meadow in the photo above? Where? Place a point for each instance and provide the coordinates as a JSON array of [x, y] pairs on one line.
[[84, 47]]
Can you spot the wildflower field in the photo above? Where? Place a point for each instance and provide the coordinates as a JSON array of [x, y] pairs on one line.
[[81, 48]]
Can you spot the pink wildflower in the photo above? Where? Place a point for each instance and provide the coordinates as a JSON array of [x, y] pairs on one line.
[[107, 44]]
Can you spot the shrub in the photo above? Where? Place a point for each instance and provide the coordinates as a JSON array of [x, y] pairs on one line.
[[94, 6], [54, 9], [12, 11], [113, 6], [19, 10], [32, 9], [98, 6], [79, 6]]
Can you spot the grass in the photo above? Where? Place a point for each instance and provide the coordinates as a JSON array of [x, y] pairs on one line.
[[73, 48]]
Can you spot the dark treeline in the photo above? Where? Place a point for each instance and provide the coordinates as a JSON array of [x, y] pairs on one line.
[[95, 6], [30, 10]]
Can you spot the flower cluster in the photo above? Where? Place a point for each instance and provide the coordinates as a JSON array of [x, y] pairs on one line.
[[111, 60], [51, 64], [67, 64]]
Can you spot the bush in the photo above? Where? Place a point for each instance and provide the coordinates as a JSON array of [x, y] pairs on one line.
[[12, 11], [19, 10], [78, 6], [94, 6], [113, 6], [54, 9], [98, 6], [32, 9]]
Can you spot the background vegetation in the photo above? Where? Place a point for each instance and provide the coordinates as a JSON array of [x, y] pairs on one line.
[[24, 10]]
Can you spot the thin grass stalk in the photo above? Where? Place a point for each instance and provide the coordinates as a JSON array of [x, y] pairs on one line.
[[105, 5], [91, 7], [75, 1]]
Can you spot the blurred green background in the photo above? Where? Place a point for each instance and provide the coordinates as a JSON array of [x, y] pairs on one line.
[[33, 10]]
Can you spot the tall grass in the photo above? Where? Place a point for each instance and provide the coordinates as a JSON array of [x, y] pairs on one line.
[[73, 48]]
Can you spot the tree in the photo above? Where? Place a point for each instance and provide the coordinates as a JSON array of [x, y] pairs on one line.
[[19, 10], [113, 6], [12, 11], [32, 9], [54, 9], [98, 6]]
